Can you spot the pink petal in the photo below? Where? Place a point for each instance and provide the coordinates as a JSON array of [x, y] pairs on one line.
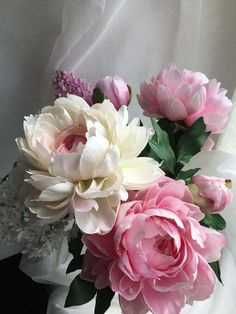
[[213, 244], [84, 205], [122, 284], [170, 107], [170, 302], [136, 306], [198, 101], [203, 285]]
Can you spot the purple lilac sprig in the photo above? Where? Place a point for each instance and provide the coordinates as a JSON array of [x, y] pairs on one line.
[[67, 83]]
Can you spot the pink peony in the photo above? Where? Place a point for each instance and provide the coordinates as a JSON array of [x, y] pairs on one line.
[[115, 89], [156, 256], [211, 193], [185, 96]]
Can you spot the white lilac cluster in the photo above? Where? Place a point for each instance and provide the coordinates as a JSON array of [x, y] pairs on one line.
[[41, 240], [17, 225]]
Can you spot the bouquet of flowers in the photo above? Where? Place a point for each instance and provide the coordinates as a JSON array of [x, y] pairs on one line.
[[139, 221]]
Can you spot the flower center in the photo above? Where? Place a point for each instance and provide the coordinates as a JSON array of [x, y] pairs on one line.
[[70, 139], [164, 245]]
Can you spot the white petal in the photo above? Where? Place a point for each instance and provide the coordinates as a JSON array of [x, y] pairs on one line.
[[41, 180], [93, 155], [29, 128], [97, 221], [43, 155], [101, 187], [140, 173], [57, 116], [133, 139], [29, 154], [109, 163], [74, 105], [84, 205], [57, 192], [124, 114], [109, 117], [66, 166], [42, 211]]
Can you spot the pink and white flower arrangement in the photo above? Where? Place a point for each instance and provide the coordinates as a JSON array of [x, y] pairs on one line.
[[151, 231]]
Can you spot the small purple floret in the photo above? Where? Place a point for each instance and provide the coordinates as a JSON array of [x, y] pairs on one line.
[[67, 83]]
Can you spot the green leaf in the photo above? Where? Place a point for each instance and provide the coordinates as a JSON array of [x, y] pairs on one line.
[[192, 141], [103, 300], [214, 221], [98, 96], [75, 247], [187, 175], [160, 147], [75, 263], [216, 267], [171, 130], [80, 292]]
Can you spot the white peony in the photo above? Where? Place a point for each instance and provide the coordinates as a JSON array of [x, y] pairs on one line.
[[84, 159]]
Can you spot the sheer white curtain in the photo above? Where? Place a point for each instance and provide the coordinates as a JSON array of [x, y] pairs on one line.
[[131, 38]]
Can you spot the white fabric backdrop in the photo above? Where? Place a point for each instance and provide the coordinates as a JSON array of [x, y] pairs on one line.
[[94, 38]]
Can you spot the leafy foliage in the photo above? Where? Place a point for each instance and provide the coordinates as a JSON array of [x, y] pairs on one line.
[[103, 300], [80, 292], [174, 145], [216, 268], [98, 96], [192, 141], [187, 175], [214, 221], [75, 247], [161, 149]]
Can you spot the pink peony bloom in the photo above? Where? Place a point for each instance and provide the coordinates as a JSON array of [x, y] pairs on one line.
[[115, 89], [156, 256], [185, 96], [212, 193]]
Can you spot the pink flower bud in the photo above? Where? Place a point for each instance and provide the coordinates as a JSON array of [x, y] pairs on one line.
[[211, 194], [115, 89]]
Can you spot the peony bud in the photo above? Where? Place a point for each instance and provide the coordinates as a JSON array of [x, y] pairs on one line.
[[116, 90], [211, 194]]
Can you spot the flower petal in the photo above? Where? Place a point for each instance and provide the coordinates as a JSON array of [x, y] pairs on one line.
[[170, 302], [97, 221], [139, 173]]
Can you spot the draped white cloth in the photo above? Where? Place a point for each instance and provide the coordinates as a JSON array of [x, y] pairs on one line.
[[133, 39]]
